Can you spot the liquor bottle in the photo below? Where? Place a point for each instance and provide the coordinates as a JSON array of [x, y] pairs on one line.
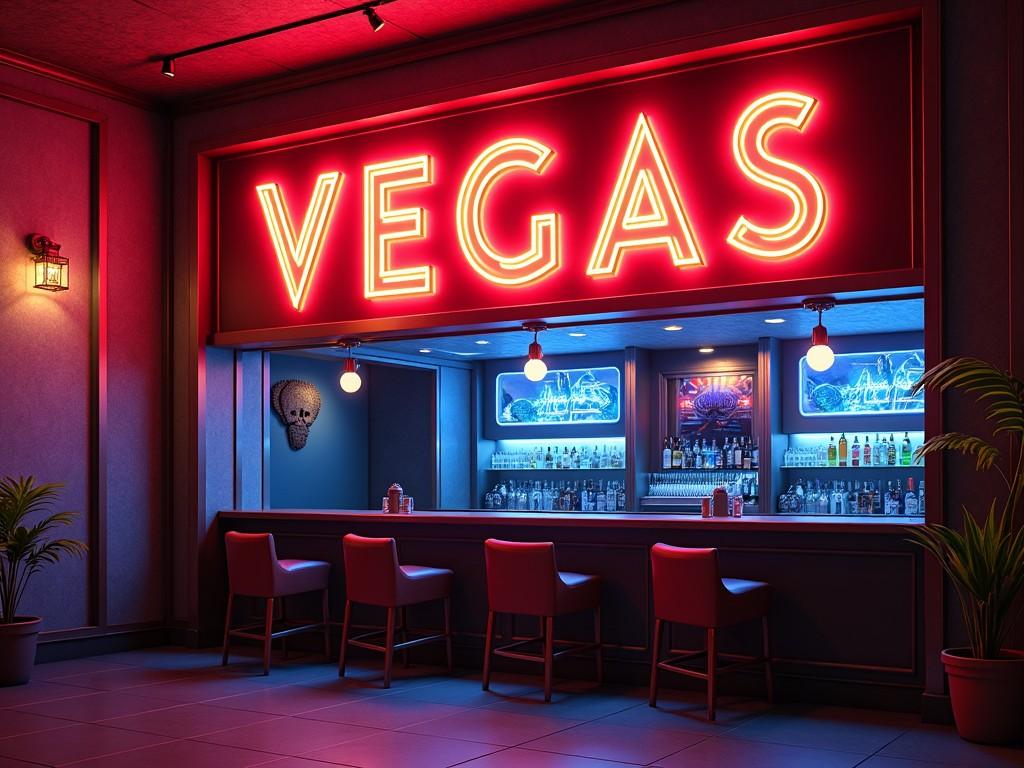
[[737, 453], [842, 450], [620, 498], [536, 496], [698, 457], [852, 497], [677, 455], [905, 452], [855, 453], [748, 455], [729, 459], [547, 497], [891, 457], [920, 499], [617, 458], [832, 451], [574, 459], [603, 461], [838, 499], [892, 503], [666, 455], [910, 503], [549, 460], [587, 496], [865, 452]]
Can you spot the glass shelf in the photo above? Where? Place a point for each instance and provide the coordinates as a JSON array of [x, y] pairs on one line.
[[545, 469], [863, 468], [702, 469]]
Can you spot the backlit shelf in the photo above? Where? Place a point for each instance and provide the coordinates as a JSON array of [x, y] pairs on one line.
[[553, 469], [860, 468]]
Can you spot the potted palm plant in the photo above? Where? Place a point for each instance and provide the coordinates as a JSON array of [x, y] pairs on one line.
[[27, 545], [985, 559]]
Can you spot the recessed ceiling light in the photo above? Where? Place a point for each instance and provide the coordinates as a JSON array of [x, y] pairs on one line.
[[577, 334], [425, 351], [673, 328], [481, 342], [462, 354], [774, 320], [706, 350]]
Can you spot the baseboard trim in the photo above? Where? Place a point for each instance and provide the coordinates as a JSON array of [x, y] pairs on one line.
[[110, 641]]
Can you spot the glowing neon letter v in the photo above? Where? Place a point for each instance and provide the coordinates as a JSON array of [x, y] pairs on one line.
[[298, 257]]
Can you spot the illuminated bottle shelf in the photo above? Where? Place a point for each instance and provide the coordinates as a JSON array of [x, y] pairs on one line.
[[859, 468], [752, 471], [553, 469]]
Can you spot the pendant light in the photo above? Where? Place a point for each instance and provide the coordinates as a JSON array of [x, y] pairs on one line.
[[535, 369], [350, 380], [820, 356]]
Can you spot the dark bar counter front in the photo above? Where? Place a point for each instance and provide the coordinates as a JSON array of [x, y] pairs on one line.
[[845, 616]]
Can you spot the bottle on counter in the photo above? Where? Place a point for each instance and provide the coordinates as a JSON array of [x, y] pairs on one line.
[[891, 457], [910, 501], [905, 451], [855, 453], [666, 454], [833, 455], [843, 450], [865, 452]]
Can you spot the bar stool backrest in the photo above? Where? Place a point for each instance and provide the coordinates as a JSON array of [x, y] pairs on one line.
[[686, 584], [521, 576], [252, 561], [371, 569]]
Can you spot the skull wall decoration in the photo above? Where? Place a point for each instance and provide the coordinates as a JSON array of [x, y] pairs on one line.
[[298, 404]]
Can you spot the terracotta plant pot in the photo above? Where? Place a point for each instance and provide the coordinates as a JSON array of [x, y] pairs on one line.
[[987, 695], [18, 649]]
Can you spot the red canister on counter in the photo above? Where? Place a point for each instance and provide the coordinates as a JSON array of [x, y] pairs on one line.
[[720, 503], [395, 496]]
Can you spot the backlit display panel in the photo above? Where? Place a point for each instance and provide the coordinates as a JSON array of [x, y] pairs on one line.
[[863, 384], [569, 396]]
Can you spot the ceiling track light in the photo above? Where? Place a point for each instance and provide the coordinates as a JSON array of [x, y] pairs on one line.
[[535, 368], [820, 356], [368, 9], [350, 380]]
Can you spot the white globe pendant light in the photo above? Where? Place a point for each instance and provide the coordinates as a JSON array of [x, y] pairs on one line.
[[535, 369], [820, 356], [350, 381]]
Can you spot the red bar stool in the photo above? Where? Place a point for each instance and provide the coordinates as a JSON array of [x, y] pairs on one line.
[[255, 571], [689, 590], [522, 578], [374, 577]]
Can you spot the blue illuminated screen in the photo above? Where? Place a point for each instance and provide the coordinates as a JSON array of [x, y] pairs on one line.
[[571, 396], [863, 384]]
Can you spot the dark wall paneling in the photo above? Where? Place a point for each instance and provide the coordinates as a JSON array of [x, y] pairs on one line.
[[402, 432], [455, 437], [493, 431], [330, 472], [794, 349]]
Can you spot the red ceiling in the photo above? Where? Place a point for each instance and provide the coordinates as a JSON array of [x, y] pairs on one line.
[[121, 41]]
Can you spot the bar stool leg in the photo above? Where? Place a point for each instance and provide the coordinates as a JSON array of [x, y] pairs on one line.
[[389, 646], [327, 626], [712, 647], [344, 638], [768, 678], [598, 652], [284, 619], [403, 629], [652, 697], [448, 631], [549, 648], [227, 629], [268, 629], [488, 644]]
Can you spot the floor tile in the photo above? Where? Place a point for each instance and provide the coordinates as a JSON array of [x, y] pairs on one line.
[[844, 730], [384, 712], [167, 657], [15, 723], [391, 749], [74, 742], [689, 713], [125, 677], [91, 707], [615, 742], [288, 735], [286, 700], [486, 725], [193, 690], [944, 746], [55, 669], [35, 691], [6, 762], [524, 758], [735, 753], [898, 762], [185, 721], [287, 762], [175, 754], [467, 692], [574, 706]]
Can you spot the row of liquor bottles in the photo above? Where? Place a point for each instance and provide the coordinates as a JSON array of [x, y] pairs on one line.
[[880, 453], [853, 498], [561, 496], [562, 457], [741, 453]]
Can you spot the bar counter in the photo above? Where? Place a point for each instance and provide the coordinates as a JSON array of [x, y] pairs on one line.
[[847, 591]]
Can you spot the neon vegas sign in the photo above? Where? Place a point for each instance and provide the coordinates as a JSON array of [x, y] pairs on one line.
[[645, 210]]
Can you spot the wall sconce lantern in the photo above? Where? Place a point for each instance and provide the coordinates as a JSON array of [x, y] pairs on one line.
[[51, 269]]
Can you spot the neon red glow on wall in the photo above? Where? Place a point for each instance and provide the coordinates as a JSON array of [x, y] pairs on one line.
[[632, 193]]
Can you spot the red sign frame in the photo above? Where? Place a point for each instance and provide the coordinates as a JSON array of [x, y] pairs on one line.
[[858, 135]]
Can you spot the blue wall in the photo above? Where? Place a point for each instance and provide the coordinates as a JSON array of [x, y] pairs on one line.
[[330, 472]]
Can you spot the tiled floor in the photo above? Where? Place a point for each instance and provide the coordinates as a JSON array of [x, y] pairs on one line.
[[176, 708]]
